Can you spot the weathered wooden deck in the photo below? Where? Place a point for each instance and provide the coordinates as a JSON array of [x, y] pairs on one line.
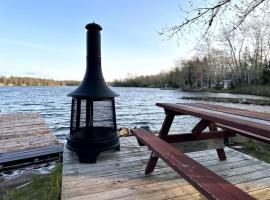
[[30, 158], [120, 175], [24, 134]]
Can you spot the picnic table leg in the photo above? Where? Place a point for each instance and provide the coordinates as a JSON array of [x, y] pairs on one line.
[[152, 162], [221, 153]]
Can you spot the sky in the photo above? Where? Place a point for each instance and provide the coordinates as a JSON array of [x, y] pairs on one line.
[[47, 38]]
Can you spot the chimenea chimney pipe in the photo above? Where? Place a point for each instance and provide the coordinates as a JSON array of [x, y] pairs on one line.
[[93, 83], [93, 52]]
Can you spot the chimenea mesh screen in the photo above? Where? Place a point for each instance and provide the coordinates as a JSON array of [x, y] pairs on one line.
[[73, 115], [92, 113], [103, 114], [83, 114]]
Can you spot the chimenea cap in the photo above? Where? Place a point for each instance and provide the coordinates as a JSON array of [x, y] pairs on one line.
[[93, 26]]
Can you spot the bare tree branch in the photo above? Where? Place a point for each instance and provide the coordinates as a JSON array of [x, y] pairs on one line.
[[203, 17]]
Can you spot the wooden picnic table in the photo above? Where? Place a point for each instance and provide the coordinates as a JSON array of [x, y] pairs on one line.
[[222, 122], [255, 125], [248, 123]]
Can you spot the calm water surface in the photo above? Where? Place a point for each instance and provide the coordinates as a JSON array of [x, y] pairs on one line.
[[135, 107]]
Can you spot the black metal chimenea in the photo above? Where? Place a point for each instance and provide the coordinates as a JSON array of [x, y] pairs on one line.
[[93, 120]]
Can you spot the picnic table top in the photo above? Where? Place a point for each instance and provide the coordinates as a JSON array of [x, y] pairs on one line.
[[249, 121]]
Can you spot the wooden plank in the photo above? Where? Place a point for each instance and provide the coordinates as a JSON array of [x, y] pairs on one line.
[[163, 190], [196, 196], [208, 152], [185, 192], [24, 123], [121, 178], [117, 184], [139, 190], [238, 169], [185, 137], [206, 155], [194, 146], [116, 178], [230, 110], [248, 173], [163, 132], [23, 134], [23, 128], [128, 166], [198, 129], [262, 194], [116, 161], [120, 184], [167, 124], [254, 185], [207, 182], [136, 165], [245, 133], [73, 158], [106, 169], [258, 127], [19, 115], [20, 122], [220, 151], [23, 143], [23, 131], [30, 153]]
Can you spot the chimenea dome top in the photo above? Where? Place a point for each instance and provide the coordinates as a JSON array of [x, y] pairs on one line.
[[93, 83], [93, 26]]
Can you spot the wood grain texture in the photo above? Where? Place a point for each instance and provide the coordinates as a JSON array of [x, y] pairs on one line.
[[24, 131], [207, 182], [120, 175], [245, 123], [237, 111]]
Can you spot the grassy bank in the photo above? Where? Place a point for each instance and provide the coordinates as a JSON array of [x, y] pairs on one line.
[[251, 147], [41, 186], [251, 90], [262, 102]]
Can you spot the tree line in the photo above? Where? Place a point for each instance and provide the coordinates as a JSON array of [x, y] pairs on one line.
[[198, 73], [241, 57], [29, 81]]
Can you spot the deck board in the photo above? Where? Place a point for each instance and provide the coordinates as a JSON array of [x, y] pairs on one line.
[[23, 132], [120, 175]]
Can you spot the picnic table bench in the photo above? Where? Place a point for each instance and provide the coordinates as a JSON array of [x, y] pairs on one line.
[[248, 123]]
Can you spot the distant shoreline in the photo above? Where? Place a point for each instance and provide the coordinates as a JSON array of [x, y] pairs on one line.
[[261, 102], [30, 81], [260, 90]]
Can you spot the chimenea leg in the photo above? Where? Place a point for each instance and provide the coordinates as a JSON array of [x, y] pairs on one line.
[[88, 157], [118, 148]]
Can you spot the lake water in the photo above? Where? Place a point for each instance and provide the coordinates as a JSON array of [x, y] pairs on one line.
[[135, 107]]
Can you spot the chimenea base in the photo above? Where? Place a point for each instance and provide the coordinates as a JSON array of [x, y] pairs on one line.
[[89, 142]]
